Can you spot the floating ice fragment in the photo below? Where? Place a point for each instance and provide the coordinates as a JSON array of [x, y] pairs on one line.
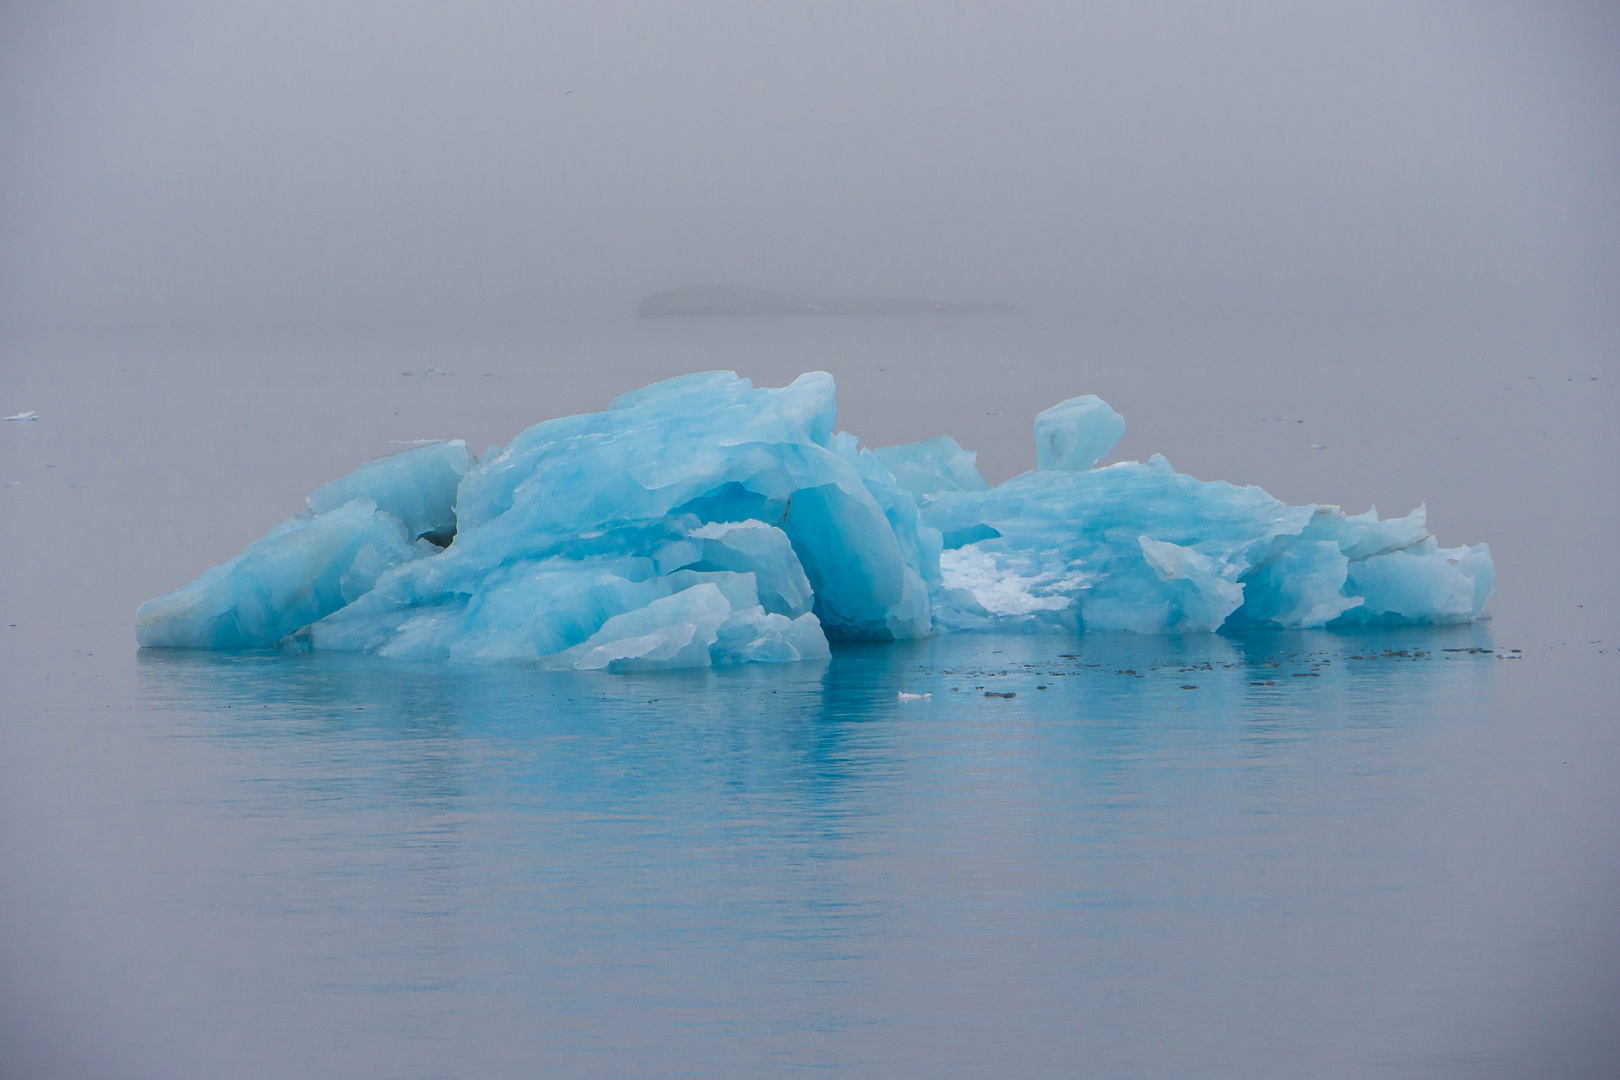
[[24, 416], [915, 697], [704, 521]]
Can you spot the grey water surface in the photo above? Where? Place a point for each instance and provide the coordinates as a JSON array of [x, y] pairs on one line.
[[1389, 853]]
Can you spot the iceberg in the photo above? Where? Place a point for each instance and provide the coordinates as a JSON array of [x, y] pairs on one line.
[[704, 521]]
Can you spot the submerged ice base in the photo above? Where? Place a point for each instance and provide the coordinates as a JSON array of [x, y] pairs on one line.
[[704, 521]]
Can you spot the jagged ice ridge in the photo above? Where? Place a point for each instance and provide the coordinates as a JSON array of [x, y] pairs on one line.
[[703, 520]]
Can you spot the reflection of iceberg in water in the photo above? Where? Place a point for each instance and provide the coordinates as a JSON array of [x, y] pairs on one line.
[[792, 725], [543, 847], [705, 522]]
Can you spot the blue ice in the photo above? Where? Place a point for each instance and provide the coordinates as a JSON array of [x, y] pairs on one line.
[[704, 521]]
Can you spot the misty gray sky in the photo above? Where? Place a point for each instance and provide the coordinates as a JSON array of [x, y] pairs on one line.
[[1444, 168]]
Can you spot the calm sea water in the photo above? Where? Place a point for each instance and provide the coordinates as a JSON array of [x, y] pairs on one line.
[[1293, 854]]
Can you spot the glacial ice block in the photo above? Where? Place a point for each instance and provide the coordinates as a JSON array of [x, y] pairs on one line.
[[1074, 435], [753, 547], [696, 627], [417, 486], [302, 570], [1134, 547], [704, 521], [674, 456], [1140, 547], [937, 464]]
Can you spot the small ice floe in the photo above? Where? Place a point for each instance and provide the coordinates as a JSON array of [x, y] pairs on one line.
[[414, 442], [1317, 446], [24, 416], [915, 697], [428, 372]]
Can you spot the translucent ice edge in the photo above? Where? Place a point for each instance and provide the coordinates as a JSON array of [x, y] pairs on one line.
[[703, 521]]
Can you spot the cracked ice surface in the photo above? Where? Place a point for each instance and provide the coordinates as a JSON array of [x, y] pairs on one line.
[[704, 520]]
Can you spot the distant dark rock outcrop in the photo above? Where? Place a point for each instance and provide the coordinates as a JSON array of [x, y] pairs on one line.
[[737, 301]]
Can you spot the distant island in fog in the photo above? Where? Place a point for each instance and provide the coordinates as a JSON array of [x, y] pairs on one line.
[[738, 301]]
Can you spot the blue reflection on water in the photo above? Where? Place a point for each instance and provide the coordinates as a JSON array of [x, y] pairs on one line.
[[774, 868]]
